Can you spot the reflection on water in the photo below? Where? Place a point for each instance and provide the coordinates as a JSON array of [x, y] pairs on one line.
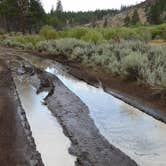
[[137, 134], [49, 138]]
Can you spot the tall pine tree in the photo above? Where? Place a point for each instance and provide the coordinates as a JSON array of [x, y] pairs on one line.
[[59, 7], [135, 18], [157, 11]]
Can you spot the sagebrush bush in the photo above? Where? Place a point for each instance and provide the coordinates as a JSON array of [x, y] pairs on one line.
[[133, 59], [12, 43], [132, 64], [29, 46]]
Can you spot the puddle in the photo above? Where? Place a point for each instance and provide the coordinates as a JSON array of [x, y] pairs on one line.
[[137, 134], [51, 142]]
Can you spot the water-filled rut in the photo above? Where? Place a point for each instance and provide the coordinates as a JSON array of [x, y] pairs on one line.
[[137, 134], [49, 138]]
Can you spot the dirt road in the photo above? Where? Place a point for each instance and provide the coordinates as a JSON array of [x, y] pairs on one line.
[[16, 143]]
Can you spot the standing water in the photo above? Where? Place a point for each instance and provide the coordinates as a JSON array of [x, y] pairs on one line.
[[140, 136], [49, 138]]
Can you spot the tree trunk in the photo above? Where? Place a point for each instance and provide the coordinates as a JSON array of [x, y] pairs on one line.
[[22, 22]]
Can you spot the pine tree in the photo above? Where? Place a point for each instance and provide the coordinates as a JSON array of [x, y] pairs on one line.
[[105, 22], [21, 15], [127, 20], [23, 8], [59, 7], [10, 14], [157, 11], [35, 15], [135, 18]]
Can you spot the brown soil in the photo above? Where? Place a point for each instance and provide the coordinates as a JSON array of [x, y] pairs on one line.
[[15, 149], [90, 147]]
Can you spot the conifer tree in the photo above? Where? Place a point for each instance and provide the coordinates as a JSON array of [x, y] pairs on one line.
[[135, 18], [59, 7]]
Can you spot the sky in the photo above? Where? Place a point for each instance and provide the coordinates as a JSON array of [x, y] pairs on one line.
[[85, 5]]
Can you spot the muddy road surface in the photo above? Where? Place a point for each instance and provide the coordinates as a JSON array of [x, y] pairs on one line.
[[18, 147]]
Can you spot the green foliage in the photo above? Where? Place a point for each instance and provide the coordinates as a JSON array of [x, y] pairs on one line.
[[21, 15], [70, 19], [132, 20], [132, 64], [48, 32], [157, 13], [158, 31], [93, 36], [99, 35], [132, 59], [35, 17], [77, 32], [27, 42], [135, 18], [127, 20]]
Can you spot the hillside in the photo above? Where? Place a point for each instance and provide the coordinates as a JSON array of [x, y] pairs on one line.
[[147, 12]]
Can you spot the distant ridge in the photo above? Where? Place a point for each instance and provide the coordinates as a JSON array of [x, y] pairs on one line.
[[119, 19]]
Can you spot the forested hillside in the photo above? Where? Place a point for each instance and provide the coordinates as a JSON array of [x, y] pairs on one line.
[[145, 13], [29, 16], [157, 12], [69, 19]]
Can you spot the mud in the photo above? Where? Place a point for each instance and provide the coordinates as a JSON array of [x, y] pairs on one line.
[[17, 146], [90, 147], [140, 96]]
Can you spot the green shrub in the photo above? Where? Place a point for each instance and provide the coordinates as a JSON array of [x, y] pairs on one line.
[[132, 59], [48, 32], [2, 31], [93, 36], [12, 43], [42, 46], [109, 33], [77, 33], [132, 64], [2, 37], [29, 46], [158, 31]]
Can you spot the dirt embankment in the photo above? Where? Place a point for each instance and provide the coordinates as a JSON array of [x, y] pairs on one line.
[[17, 146]]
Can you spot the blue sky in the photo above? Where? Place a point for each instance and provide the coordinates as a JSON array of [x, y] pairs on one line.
[[84, 5]]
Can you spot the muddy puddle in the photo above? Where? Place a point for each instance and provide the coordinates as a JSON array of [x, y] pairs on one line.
[[51, 142], [137, 134]]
